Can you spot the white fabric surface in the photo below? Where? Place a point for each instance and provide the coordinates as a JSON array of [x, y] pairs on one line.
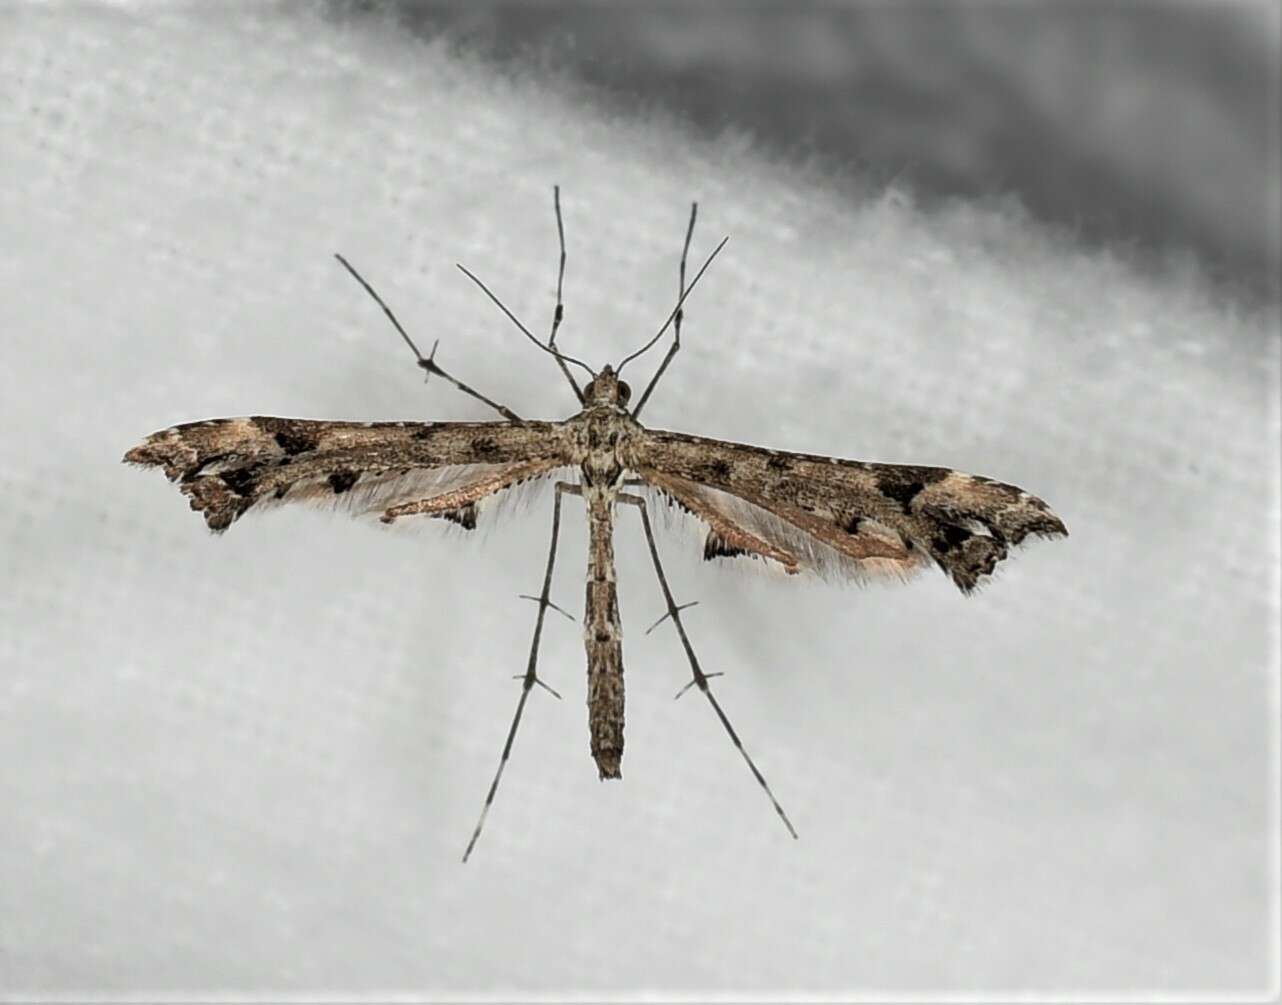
[[250, 764]]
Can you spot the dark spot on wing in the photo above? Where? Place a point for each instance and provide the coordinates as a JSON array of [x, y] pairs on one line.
[[423, 433], [778, 462], [341, 481], [720, 469], [289, 436], [280, 492], [484, 446], [951, 537], [902, 492], [903, 484], [241, 480], [294, 443], [464, 516], [715, 546], [853, 526]]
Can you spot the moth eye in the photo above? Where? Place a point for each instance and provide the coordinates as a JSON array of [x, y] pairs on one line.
[[625, 392], [587, 390]]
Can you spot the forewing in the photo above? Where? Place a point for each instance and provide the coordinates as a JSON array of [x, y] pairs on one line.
[[226, 467], [853, 517]]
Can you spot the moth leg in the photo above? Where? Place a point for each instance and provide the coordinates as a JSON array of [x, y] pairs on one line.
[[428, 363], [559, 313], [530, 677], [676, 321], [700, 678], [668, 614]]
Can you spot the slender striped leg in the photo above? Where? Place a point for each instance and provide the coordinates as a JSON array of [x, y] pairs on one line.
[[530, 677], [428, 363], [700, 678], [676, 320]]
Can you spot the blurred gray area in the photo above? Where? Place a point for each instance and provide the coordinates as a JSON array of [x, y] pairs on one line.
[[1150, 125]]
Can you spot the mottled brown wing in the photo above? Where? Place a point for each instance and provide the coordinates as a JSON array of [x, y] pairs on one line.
[[824, 514], [227, 467]]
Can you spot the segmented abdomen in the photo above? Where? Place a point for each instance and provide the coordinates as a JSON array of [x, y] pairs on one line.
[[602, 637]]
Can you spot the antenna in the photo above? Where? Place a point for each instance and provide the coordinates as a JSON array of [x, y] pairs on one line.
[[513, 318], [559, 313], [693, 283], [428, 363]]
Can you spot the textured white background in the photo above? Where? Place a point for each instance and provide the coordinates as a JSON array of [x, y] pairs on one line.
[[250, 764]]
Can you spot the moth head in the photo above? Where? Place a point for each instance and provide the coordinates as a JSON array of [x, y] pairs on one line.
[[606, 389]]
